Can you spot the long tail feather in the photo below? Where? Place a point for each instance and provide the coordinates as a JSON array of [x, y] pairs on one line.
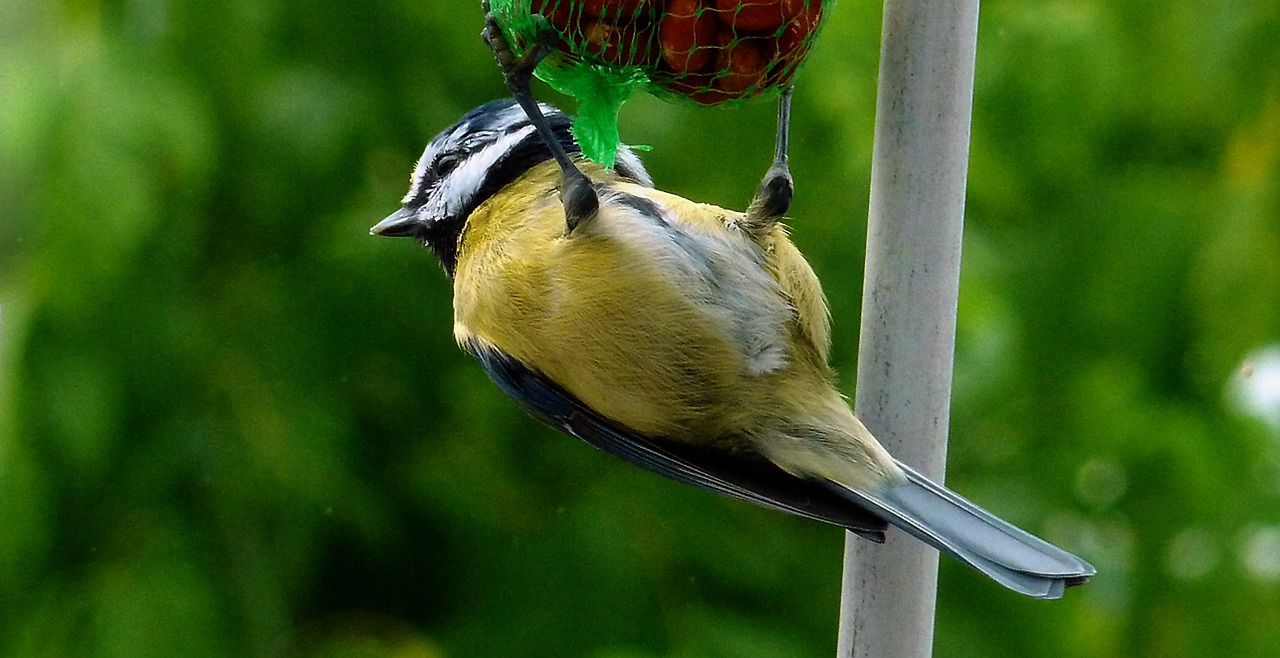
[[943, 519]]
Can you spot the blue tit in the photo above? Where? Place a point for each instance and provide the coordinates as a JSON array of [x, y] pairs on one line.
[[688, 339]]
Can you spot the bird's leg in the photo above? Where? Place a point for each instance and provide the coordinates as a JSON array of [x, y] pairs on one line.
[[774, 195], [576, 192]]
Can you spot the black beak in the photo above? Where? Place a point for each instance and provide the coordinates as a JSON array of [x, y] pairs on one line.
[[402, 223]]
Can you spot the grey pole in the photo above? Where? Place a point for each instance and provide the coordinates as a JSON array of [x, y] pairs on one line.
[[915, 221]]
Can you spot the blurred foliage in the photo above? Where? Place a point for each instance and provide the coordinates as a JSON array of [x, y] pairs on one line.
[[231, 423]]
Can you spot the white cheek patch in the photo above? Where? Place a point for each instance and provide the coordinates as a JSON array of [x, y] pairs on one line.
[[458, 188]]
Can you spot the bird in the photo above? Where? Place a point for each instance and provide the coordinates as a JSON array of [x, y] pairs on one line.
[[687, 339]]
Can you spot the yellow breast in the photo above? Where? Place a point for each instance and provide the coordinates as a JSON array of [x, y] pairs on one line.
[[671, 326]]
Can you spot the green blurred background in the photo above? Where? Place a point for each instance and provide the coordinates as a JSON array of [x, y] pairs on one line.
[[233, 424]]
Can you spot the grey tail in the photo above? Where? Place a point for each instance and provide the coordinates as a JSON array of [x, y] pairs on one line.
[[943, 519]]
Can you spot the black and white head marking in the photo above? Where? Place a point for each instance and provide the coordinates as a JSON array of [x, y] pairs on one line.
[[464, 165]]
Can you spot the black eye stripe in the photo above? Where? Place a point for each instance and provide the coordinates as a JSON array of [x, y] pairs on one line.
[[499, 135]]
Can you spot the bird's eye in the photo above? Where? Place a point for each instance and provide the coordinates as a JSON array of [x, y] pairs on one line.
[[445, 165]]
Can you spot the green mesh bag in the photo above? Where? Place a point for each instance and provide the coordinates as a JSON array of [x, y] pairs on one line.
[[711, 52]]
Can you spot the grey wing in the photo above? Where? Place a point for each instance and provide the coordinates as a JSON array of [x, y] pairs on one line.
[[746, 477]]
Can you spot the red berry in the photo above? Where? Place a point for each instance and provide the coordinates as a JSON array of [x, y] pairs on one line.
[[685, 35], [614, 8], [621, 45], [752, 15], [795, 41], [741, 65]]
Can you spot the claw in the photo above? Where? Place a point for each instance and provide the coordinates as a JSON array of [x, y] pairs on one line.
[[773, 198], [515, 70], [580, 201], [576, 191], [776, 190]]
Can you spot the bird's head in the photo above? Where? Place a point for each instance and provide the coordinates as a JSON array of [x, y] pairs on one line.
[[470, 161]]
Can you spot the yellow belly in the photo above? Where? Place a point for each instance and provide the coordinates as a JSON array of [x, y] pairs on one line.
[[618, 316]]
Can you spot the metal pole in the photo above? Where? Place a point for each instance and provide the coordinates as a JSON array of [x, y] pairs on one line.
[[909, 298]]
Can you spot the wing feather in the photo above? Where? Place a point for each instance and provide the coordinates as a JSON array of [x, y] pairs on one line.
[[743, 476]]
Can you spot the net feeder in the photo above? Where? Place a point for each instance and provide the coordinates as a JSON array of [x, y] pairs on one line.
[[709, 52]]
